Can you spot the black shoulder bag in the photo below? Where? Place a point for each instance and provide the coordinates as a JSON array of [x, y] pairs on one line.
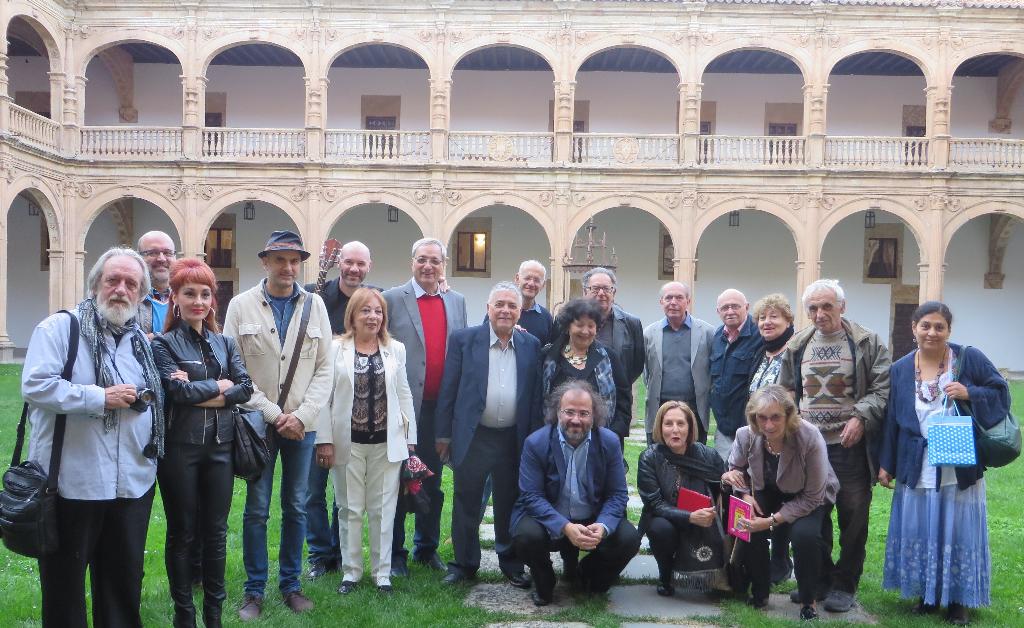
[[28, 503]]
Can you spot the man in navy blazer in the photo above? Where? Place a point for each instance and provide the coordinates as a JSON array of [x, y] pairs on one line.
[[489, 402], [572, 496]]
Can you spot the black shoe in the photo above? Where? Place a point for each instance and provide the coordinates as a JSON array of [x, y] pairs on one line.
[[808, 613], [519, 580], [319, 568], [958, 615], [757, 603], [432, 562], [923, 609], [666, 589], [538, 599], [385, 589], [456, 576], [346, 587], [399, 567]]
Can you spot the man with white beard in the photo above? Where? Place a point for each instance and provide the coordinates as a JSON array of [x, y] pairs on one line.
[[113, 435]]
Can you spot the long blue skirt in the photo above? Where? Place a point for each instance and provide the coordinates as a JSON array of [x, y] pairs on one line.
[[937, 547]]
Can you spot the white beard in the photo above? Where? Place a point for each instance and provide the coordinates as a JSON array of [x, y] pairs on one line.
[[116, 314]]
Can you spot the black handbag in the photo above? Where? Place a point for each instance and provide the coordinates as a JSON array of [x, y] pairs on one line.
[[250, 453], [28, 503]]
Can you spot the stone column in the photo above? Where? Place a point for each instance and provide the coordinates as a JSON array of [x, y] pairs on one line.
[[316, 88], [937, 112], [440, 109], [6, 346], [5, 98], [193, 115], [558, 285], [808, 263], [689, 122], [56, 285], [565, 105], [815, 100], [933, 267]]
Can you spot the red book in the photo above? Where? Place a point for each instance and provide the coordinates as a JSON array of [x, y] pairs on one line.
[[692, 500]]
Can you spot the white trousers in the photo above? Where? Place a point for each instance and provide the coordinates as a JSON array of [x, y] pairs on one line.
[[371, 483]]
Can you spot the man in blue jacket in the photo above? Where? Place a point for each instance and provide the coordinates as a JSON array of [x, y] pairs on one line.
[[572, 496], [733, 349], [489, 402]]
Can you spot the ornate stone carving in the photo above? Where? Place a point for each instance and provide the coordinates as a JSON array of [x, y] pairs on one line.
[[814, 198], [501, 148], [581, 37], [692, 198], [456, 37], [938, 201], [314, 192], [672, 201], [186, 28], [545, 198], [425, 35], [454, 197], [72, 186], [421, 196], [190, 190], [955, 42], [579, 198], [626, 149], [80, 31], [820, 37]]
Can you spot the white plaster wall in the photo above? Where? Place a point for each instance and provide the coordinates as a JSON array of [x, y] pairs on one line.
[[515, 237], [251, 237], [518, 101], [389, 243], [984, 318], [842, 258], [27, 285], [727, 255], [103, 233]]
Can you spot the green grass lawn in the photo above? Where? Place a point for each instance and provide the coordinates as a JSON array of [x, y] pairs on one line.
[[422, 600]]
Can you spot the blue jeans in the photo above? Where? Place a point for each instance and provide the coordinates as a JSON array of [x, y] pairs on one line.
[[321, 531], [296, 456]]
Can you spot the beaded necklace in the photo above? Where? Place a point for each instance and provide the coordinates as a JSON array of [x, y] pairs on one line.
[[932, 387], [575, 360]]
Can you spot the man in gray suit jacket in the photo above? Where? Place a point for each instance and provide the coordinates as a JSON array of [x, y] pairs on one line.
[[422, 318], [619, 331], [678, 366]]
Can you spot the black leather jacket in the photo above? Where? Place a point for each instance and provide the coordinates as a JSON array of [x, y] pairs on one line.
[[182, 349], [656, 479]]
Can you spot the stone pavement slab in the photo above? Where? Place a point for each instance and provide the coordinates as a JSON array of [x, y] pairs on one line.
[[635, 502], [642, 567], [489, 561], [487, 532], [540, 624], [780, 607], [504, 598], [641, 600], [643, 624]]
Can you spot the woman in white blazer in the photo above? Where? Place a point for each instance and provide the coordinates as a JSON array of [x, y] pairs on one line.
[[372, 430]]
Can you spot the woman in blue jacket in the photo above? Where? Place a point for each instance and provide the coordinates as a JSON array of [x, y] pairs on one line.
[[937, 548]]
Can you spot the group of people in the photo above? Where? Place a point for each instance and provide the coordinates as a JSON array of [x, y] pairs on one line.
[[529, 410]]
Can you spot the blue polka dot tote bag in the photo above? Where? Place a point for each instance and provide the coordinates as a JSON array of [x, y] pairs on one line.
[[951, 439]]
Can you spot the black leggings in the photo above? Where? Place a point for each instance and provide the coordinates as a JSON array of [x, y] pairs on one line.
[[808, 537], [196, 483]]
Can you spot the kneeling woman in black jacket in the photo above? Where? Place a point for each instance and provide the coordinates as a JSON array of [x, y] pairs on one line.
[[204, 379], [687, 542]]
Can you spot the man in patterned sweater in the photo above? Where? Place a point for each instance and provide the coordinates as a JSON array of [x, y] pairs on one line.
[[838, 373]]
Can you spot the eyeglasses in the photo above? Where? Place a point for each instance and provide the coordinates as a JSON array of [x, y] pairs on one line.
[[157, 253], [600, 289], [729, 306], [572, 414], [433, 261]]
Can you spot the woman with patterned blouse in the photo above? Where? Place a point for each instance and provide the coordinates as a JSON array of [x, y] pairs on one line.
[[371, 430]]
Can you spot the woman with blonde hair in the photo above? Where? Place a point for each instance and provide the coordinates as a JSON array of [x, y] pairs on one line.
[[779, 465], [687, 544], [371, 430]]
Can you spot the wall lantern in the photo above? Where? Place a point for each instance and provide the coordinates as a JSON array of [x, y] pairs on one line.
[[734, 218], [392, 214], [869, 219], [249, 210]]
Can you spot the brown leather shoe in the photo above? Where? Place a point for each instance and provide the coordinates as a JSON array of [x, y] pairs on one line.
[[298, 602], [252, 608]]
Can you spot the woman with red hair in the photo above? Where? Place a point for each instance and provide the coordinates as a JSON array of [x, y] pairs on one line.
[[204, 379]]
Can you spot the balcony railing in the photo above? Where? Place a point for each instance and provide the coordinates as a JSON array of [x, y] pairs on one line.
[[750, 151], [378, 145], [876, 152], [33, 127], [986, 154], [106, 142], [624, 150], [504, 148], [254, 143]]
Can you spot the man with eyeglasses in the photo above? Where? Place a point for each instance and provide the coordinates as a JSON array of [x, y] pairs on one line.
[[422, 317], [733, 349], [572, 497], [157, 248], [618, 330]]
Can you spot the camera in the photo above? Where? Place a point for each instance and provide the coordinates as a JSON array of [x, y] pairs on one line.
[[144, 398]]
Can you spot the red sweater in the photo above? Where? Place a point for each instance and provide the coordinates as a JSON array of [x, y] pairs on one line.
[[435, 336]]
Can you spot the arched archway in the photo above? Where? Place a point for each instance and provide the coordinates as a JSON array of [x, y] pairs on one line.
[[255, 85], [387, 127], [388, 232], [984, 275], [30, 230], [986, 100], [487, 246], [875, 256], [32, 54], [133, 82], [766, 265], [752, 92]]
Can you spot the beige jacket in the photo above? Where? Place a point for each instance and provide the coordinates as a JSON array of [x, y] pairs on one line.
[[250, 321], [336, 429]]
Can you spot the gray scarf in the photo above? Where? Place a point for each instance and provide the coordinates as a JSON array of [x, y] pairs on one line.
[[93, 327]]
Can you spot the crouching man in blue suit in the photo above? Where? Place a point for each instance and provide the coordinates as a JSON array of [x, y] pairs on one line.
[[572, 496]]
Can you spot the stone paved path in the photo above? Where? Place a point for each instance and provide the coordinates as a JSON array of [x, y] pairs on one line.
[[641, 600]]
